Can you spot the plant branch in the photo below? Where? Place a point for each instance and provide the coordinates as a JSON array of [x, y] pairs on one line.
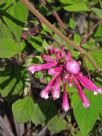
[[55, 14], [85, 38], [55, 30]]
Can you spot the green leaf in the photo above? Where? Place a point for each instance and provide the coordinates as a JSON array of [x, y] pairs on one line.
[[88, 64], [46, 29], [98, 32], [86, 118], [38, 116], [69, 1], [56, 124], [8, 48], [16, 17], [49, 109], [44, 110], [97, 56], [98, 12], [72, 23], [36, 42], [77, 7], [5, 31], [77, 39], [45, 45], [23, 109], [12, 79], [78, 134], [38, 113]]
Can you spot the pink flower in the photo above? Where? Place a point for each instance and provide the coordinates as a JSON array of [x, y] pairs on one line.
[[45, 92], [81, 93], [56, 89], [64, 69], [88, 84], [65, 103], [35, 68]]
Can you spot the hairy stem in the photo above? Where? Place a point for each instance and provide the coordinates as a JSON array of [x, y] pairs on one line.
[[55, 30]]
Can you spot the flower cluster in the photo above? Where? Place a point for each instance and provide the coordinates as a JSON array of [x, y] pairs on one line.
[[64, 68]]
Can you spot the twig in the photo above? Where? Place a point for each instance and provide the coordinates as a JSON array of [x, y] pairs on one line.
[[55, 14], [59, 33], [84, 40]]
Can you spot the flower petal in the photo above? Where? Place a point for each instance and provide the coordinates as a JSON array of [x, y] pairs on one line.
[[84, 100], [88, 84], [35, 68], [65, 103], [56, 88]]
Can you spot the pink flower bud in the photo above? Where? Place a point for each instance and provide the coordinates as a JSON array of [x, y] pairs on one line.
[[72, 67]]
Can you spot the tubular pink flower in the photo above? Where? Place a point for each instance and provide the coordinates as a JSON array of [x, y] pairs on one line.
[[72, 67], [65, 103], [56, 89], [53, 71], [47, 58], [88, 84], [84, 100], [44, 93], [35, 68]]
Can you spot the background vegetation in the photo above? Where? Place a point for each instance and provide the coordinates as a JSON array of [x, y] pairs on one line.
[[23, 37]]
